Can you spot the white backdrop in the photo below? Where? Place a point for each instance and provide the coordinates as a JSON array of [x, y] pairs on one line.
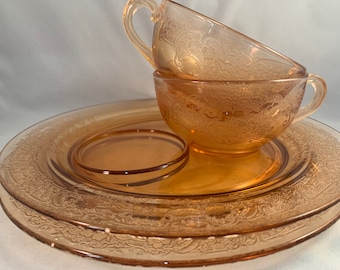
[[57, 56]]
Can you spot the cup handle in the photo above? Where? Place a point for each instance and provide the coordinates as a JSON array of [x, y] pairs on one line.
[[320, 89], [131, 7]]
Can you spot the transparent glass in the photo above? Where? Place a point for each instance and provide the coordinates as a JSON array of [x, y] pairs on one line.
[[113, 157], [234, 117], [191, 45], [212, 210], [163, 251]]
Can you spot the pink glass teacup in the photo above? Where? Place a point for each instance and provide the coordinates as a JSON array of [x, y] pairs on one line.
[[191, 45], [234, 117]]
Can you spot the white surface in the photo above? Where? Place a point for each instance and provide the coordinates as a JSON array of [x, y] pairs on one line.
[[57, 56]]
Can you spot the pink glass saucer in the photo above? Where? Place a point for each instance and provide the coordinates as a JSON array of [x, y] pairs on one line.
[[52, 173]]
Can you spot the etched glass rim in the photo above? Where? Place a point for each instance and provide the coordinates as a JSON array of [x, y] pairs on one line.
[[157, 74]]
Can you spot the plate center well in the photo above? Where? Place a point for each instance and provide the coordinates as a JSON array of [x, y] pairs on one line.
[[156, 162]]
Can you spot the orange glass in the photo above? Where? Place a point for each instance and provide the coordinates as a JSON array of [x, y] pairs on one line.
[[234, 117], [211, 211], [191, 45]]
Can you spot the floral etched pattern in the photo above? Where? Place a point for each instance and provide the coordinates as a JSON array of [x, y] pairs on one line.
[[163, 251], [191, 48], [26, 175], [229, 116]]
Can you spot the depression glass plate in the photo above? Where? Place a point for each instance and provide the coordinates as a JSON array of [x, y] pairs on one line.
[[98, 173], [164, 251]]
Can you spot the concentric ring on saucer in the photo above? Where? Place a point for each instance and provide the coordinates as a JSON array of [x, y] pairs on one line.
[[128, 157]]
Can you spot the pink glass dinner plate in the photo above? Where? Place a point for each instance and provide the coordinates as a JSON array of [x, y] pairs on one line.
[[164, 251], [116, 178]]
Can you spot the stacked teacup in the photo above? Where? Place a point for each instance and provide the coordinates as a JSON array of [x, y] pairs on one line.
[[220, 90]]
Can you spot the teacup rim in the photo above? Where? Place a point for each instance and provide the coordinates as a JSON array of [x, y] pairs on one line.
[[248, 38], [171, 76]]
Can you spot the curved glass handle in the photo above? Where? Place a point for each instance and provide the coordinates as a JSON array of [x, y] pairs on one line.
[[320, 89], [131, 7]]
